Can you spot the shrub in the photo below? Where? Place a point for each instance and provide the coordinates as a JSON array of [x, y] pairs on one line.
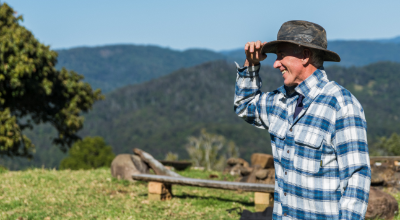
[[89, 153]]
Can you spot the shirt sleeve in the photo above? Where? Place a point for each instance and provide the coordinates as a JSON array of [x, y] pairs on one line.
[[247, 103], [350, 141]]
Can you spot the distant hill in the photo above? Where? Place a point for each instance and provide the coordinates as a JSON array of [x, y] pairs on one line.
[[159, 115], [112, 67], [395, 40], [353, 53], [115, 66]]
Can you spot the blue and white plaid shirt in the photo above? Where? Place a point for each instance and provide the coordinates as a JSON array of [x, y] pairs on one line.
[[321, 159]]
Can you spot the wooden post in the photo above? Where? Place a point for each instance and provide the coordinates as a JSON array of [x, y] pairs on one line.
[[262, 200], [159, 191]]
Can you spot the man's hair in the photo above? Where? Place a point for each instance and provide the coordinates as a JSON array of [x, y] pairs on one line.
[[316, 55]]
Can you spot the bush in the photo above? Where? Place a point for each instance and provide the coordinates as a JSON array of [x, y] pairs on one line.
[[390, 145], [89, 153]]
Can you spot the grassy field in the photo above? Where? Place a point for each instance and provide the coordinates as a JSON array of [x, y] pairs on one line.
[[94, 194], [52, 194]]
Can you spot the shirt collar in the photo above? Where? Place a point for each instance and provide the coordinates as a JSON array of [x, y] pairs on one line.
[[309, 88]]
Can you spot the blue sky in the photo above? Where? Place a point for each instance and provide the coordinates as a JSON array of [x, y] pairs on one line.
[[215, 25]]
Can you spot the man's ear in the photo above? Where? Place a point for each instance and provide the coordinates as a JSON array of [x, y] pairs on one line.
[[306, 57]]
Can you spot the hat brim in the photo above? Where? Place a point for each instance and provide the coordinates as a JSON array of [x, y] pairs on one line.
[[272, 46]]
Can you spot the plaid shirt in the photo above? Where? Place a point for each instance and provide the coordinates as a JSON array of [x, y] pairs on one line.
[[321, 159]]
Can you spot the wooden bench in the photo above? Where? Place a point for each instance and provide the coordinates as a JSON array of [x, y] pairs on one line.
[[159, 188]]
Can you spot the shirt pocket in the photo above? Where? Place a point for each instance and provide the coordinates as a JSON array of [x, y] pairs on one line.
[[307, 156]]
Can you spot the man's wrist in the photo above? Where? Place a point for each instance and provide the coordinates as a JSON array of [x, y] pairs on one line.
[[250, 63]]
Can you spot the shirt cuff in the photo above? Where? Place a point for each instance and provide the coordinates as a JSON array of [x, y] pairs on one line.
[[247, 71]]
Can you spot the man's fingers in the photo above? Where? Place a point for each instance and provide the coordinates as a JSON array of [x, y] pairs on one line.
[[251, 47], [246, 47], [258, 44]]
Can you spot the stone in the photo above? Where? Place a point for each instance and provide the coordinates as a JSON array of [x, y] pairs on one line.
[[263, 160], [235, 170], [383, 176], [265, 173], [381, 205], [234, 161], [125, 165], [251, 178]]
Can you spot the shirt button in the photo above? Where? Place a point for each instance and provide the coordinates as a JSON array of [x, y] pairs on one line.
[[287, 151], [284, 214], [290, 130]]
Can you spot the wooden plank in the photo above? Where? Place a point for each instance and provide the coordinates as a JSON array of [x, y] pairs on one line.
[[184, 181], [154, 164]]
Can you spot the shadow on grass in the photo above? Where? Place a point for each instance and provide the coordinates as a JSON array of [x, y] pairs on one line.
[[187, 196]]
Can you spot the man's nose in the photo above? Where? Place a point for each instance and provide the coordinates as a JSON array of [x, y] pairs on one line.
[[277, 64]]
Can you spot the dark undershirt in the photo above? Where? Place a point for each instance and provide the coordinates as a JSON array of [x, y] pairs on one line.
[[299, 106]]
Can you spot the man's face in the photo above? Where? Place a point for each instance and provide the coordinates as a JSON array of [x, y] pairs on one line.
[[289, 64]]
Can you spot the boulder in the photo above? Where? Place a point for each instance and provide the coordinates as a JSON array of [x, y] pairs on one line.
[[381, 205], [239, 170], [233, 161], [383, 176], [251, 178], [263, 160], [125, 165], [265, 173]]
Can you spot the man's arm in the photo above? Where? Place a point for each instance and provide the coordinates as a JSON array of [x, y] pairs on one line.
[[248, 104], [350, 141]]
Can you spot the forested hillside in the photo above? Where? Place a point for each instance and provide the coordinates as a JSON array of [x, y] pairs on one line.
[[159, 115], [115, 66], [352, 53]]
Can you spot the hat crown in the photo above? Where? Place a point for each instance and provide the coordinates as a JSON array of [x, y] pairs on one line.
[[303, 32]]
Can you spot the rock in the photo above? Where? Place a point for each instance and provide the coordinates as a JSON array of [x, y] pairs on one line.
[[252, 177], [244, 171], [263, 160], [125, 165], [233, 161], [381, 205], [383, 176], [239, 170], [265, 173]]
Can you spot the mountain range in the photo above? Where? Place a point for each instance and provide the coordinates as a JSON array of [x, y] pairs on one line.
[[114, 66], [158, 116]]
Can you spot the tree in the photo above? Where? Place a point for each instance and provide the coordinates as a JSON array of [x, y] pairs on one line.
[[390, 145], [205, 150], [89, 153], [33, 91]]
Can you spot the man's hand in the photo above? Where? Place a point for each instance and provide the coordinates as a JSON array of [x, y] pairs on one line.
[[253, 53]]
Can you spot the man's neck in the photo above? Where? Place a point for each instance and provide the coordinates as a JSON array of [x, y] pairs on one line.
[[307, 72]]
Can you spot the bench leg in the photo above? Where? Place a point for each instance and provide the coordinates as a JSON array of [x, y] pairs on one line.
[[159, 191], [263, 200]]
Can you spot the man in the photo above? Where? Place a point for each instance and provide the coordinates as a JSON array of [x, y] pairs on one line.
[[317, 127]]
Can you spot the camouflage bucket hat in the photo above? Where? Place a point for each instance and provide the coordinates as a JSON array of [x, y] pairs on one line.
[[302, 33]]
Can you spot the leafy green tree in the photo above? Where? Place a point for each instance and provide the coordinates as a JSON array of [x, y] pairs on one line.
[[89, 153], [33, 91], [391, 145]]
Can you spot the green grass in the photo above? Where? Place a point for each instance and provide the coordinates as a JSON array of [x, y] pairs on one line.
[[94, 194]]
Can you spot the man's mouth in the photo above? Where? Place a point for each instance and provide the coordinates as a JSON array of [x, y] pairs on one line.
[[283, 72]]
